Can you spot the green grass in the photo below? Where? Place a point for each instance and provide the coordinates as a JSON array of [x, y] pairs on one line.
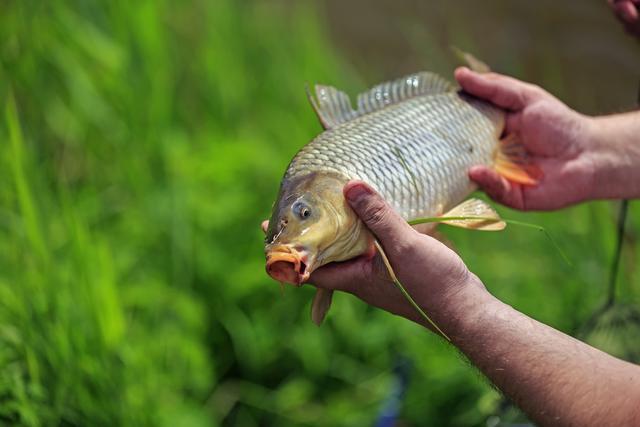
[[142, 143]]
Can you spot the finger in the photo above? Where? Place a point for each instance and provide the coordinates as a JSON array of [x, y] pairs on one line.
[[513, 123], [497, 187], [264, 226], [377, 215], [340, 276], [626, 11], [503, 91]]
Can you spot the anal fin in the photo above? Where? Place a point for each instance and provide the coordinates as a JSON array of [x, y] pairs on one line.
[[320, 305], [474, 214], [331, 105]]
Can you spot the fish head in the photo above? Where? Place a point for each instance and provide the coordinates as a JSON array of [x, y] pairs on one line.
[[312, 225]]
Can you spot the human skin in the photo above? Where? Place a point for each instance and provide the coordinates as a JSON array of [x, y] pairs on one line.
[[581, 158], [553, 378], [628, 13]]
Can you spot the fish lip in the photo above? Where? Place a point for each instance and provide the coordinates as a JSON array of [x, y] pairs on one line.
[[296, 255]]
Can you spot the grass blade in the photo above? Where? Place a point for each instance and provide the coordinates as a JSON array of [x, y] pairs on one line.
[[397, 282], [427, 220]]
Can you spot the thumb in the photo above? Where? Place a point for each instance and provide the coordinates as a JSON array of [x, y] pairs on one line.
[[377, 215], [503, 91]]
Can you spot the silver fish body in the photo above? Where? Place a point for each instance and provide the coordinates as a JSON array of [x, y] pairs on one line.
[[416, 152], [413, 139]]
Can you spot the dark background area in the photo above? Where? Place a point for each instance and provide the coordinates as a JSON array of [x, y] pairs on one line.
[[576, 50]]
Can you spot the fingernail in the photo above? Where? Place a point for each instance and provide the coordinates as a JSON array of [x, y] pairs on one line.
[[357, 191]]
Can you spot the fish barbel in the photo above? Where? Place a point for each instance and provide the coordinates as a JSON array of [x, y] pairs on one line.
[[413, 140]]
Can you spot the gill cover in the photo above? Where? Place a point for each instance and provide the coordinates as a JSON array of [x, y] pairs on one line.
[[312, 225], [287, 249]]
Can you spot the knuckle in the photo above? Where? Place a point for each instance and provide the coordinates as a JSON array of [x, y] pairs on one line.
[[533, 87], [407, 247], [412, 240], [534, 91], [376, 214], [509, 99]]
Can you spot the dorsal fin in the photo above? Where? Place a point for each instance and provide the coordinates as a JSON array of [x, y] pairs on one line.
[[394, 91], [334, 107], [331, 105]]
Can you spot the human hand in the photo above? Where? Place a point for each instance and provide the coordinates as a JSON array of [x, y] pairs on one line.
[[628, 13], [555, 137], [431, 272]]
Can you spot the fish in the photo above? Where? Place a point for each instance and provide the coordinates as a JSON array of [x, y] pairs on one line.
[[413, 139]]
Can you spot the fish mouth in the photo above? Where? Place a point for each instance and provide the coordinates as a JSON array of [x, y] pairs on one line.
[[288, 264]]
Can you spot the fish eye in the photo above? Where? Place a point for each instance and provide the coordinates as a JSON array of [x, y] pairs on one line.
[[301, 210]]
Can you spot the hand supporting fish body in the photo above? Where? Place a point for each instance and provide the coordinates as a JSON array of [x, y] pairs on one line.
[[413, 140]]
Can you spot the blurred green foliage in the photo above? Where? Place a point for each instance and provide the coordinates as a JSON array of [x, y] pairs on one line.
[[142, 143]]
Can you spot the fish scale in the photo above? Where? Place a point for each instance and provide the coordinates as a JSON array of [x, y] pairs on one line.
[[439, 136], [413, 139]]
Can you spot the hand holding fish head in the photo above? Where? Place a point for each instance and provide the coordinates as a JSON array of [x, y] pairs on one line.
[[311, 225]]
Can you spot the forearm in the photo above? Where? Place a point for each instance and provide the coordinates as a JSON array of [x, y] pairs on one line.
[[553, 378], [615, 153]]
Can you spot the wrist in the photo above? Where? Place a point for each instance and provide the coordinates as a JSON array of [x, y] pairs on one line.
[[457, 311], [614, 150]]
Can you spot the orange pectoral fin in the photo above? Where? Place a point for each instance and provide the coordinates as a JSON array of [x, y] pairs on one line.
[[512, 162]]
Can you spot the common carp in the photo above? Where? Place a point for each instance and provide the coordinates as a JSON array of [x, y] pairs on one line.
[[412, 139]]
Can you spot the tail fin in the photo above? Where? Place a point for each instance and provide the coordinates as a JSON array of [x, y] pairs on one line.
[[512, 161], [471, 61]]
